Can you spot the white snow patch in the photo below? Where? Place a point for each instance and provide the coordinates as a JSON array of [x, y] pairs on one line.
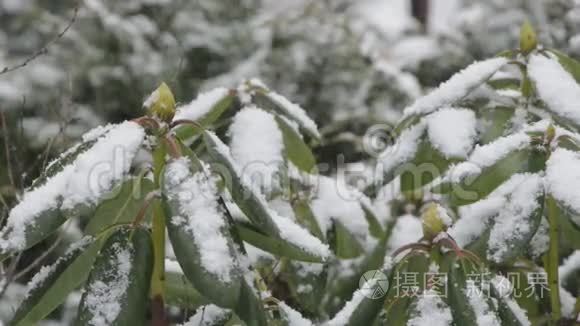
[[201, 105], [293, 317], [513, 222], [457, 87], [488, 154], [563, 177], [485, 316], [335, 201], [200, 216], [452, 131], [504, 287], [556, 87], [84, 181], [296, 112], [344, 315], [207, 315], [570, 265], [408, 229], [299, 236], [257, 145], [100, 168], [404, 149], [431, 311], [103, 299]]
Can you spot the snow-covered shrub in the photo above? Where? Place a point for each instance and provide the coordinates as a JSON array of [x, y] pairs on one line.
[[250, 222], [497, 145]]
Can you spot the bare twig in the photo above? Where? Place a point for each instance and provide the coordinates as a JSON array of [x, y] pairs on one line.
[[7, 149], [44, 50]]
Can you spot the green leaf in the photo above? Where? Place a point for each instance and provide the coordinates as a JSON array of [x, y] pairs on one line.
[[275, 245], [59, 164], [427, 165], [505, 83], [296, 150], [375, 228], [131, 287], [305, 217], [123, 207], [224, 293], [497, 121], [345, 245], [297, 275], [458, 300], [179, 292], [250, 308], [506, 313], [252, 206], [264, 99], [470, 191], [571, 65], [69, 272], [187, 131]]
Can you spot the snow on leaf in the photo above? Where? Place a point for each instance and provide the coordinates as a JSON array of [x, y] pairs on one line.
[[570, 265], [563, 177], [293, 317], [404, 149], [504, 287], [208, 315], [514, 222], [457, 87], [257, 146], [85, 181], [408, 229], [344, 315], [477, 299], [201, 105], [452, 131], [299, 236], [555, 86], [296, 112], [200, 216], [99, 169], [430, 310], [335, 201], [488, 154], [102, 299]]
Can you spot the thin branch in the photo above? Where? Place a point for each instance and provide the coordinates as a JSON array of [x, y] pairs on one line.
[[7, 149], [44, 50]]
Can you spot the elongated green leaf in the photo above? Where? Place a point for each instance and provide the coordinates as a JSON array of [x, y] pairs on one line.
[[199, 233], [375, 228], [509, 311], [276, 103], [52, 288], [497, 121], [58, 164], [458, 300], [275, 245], [187, 131], [470, 191], [123, 207], [250, 308], [117, 290], [306, 282], [427, 165], [571, 65], [296, 150], [305, 217], [179, 292], [371, 297], [245, 198], [345, 245]]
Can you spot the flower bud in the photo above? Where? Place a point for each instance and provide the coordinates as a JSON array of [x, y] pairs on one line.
[[161, 103], [434, 220], [528, 38]]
